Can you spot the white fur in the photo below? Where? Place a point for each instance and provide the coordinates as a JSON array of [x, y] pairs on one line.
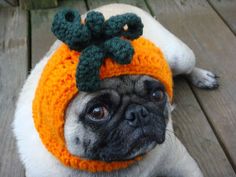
[[170, 158], [179, 56]]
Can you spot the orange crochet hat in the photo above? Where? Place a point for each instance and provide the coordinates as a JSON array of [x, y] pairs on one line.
[[59, 84]]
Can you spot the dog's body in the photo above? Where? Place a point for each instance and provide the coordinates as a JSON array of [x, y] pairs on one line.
[[167, 159]]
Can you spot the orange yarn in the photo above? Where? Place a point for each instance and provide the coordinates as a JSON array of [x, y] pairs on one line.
[[57, 86]]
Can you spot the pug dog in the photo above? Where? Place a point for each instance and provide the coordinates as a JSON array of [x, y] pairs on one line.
[[137, 107]]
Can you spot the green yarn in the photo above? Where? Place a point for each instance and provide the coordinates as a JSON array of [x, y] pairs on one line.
[[119, 50], [67, 27], [87, 73], [96, 39], [95, 20], [114, 26]]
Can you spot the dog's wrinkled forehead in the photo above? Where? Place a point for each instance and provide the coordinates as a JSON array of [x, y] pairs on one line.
[[129, 84], [123, 85]]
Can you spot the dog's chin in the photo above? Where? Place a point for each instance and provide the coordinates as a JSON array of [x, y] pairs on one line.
[[139, 147], [144, 144]]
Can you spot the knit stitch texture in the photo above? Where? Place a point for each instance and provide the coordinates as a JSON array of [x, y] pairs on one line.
[[97, 39], [57, 87]]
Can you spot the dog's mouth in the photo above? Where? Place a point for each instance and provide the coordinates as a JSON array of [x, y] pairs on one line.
[[140, 146]]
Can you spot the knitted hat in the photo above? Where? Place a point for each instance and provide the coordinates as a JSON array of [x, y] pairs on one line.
[[91, 52]]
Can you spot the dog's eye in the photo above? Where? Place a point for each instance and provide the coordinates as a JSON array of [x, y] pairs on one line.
[[98, 112], [157, 95]]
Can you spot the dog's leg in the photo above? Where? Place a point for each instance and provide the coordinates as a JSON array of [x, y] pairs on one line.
[[186, 65], [179, 56], [203, 79]]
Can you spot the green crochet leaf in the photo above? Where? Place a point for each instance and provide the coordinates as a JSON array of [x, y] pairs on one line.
[[119, 50], [96, 39]]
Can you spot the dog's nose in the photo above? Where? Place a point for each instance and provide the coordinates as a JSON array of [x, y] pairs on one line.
[[136, 115]]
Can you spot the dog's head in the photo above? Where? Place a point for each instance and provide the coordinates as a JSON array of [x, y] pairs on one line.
[[125, 118]]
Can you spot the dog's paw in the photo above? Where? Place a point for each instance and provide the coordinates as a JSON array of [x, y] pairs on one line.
[[203, 79]]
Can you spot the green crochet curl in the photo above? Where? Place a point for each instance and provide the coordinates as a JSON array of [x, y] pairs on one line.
[[96, 39]]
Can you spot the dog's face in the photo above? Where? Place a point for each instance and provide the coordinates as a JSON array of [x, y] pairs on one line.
[[127, 117]]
